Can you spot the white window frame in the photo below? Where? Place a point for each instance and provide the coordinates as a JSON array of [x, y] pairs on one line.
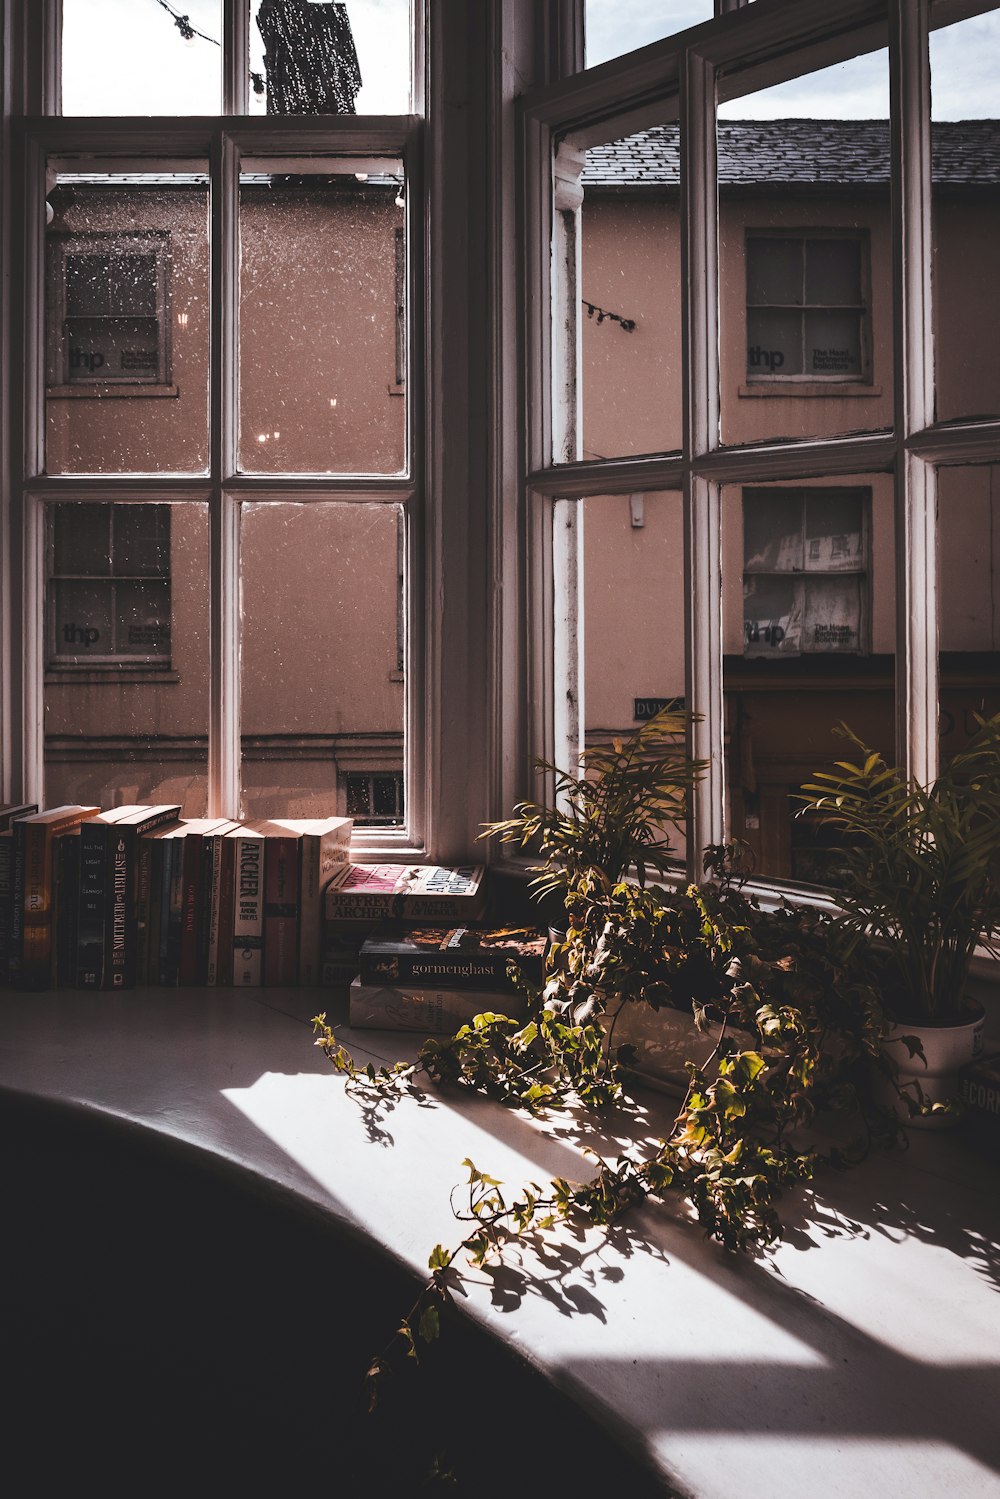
[[631, 93]]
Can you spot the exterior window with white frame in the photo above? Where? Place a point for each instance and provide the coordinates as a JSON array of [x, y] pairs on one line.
[[110, 324], [807, 308], [805, 572], [109, 585]]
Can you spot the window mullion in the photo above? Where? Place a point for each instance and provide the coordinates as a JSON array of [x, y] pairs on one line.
[[569, 711], [224, 717], [916, 551], [235, 57], [702, 497]]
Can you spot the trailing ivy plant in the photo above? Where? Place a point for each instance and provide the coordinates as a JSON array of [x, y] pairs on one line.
[[796, 1029]]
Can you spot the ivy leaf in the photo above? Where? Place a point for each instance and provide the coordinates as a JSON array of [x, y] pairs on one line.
[[430, 1324]]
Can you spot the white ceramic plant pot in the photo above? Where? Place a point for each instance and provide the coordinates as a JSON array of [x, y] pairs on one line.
[[947, 1049], [666, 1039]]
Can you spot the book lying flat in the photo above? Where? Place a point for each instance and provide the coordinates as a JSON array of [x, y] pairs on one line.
[[412, 892], [431, 1010], [470, 957]]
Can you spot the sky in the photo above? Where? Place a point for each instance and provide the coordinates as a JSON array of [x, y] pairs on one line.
[[107, 45], [965, 65]]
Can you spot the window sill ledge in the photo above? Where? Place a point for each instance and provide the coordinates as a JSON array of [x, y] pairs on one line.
[[108, 676], [793, 390], [112, 392]]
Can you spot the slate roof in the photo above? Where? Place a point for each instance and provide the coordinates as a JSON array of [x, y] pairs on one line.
[[811, 152]]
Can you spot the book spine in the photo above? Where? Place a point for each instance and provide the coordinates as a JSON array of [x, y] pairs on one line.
[[151, 970], [362, 905], [447, 969], [67, 894], [6, 902], [33, 970], [248, 911], [17, 903], [205, 898], [428, 1010], [90, 914], [170, 934], [116, 911], [143, 908], [213, 902], [454, 909], [281, 910], [227, 910], [187, 969], [310, 911]]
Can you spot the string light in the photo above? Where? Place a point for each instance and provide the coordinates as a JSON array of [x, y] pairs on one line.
[[189, 33], [627, 324]]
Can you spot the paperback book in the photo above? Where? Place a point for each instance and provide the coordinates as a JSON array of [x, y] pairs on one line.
[[470, 957], [431, 1010], [409, 892]]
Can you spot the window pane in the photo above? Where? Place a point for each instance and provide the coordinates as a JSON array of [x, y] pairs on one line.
[[634, 613], [804, 222], [126, 682], [630, 296], [141, 540], [120, 57], [969, 552], [127, 322], [330, 58], [833, 344], [805, 648], [833, 272], [614, 27], [965, 127], [318, 319], [774, 271], [322, 696]]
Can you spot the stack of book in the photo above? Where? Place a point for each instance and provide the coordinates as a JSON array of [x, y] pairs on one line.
[[437, 978], [364, 895], [139, 895]]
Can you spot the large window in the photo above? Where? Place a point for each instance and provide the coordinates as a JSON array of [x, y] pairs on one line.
[[764, 182], [248, 282], [753, 306]]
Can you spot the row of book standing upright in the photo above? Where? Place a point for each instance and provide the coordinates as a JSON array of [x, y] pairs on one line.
[[137, 894]]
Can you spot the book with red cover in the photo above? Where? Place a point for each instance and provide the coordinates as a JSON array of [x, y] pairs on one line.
[[282, 885], [324, 849], [32, 968]]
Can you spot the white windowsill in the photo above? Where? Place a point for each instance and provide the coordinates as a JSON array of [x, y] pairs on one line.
[[793, 389]]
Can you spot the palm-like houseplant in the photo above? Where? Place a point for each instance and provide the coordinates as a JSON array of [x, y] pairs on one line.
[[918, 882], [616, 814], [918, 867]]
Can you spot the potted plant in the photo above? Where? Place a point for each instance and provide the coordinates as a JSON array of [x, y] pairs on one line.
[[917, 877], [615, 815]]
